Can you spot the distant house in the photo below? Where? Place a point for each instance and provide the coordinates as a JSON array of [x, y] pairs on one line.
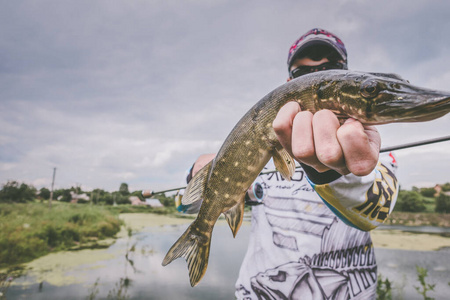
[[135, 200], [76, 197], [148, 202], [438, 190], [153, 202]]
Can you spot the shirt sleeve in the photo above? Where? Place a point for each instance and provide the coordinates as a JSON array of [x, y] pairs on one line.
[[194, 207], [363, 202]]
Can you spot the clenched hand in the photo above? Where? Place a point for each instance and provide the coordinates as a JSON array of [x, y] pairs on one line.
[[320, 141]]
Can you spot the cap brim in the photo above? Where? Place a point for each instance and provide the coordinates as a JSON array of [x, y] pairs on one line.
[[315, 42]]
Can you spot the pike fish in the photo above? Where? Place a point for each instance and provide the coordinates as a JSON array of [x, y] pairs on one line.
[[371, 98]]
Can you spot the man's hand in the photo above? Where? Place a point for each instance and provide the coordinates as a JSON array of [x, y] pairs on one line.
[[202, 161], [321, 142]]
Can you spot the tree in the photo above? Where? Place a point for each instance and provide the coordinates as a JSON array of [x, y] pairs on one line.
[[138, 194], [124, 189], [166, 201], [442, 204], [410, 201], [13, 192], [427, 192], [44, 193], [119, 198], [96, 195], [66, 196], [446, 187], [106, 198]]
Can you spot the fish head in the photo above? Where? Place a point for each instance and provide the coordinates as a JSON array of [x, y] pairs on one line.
[[378, 98]]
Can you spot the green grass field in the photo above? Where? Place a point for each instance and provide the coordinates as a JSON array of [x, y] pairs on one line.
[[28, 231]]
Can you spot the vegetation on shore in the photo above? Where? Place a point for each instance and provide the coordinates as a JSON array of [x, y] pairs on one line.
[[424, 200], [29, 228], [419, 219], [28, 231], [385, 287]]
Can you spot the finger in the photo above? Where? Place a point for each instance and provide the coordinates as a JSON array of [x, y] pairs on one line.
[[328, 148], [282, 125], [360, 145], [303, 147]]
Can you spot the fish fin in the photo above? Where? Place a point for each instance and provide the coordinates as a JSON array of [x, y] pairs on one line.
[[195, 250], [235, 215], [284, 163], [195, 188]]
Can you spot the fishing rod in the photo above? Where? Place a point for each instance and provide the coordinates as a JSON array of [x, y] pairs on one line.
[[387, 149], [410, 145]]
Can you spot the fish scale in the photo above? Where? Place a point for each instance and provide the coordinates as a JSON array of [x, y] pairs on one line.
[[371, 98]]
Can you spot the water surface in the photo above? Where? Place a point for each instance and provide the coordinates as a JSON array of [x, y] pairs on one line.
[[132, 267]]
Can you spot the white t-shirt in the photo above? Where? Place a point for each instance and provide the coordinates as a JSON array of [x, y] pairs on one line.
[[300, 246]]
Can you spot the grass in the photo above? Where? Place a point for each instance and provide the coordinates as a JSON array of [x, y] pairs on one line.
[[128, 208], [430, 204], [28, 231]]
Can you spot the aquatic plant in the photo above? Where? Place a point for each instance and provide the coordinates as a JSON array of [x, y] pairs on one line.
[[384, 288], [425, 287]]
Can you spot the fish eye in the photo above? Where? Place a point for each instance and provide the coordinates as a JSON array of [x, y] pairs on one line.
[[369, 89]]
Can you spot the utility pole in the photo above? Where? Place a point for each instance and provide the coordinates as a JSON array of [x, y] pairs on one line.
[[51, 192]]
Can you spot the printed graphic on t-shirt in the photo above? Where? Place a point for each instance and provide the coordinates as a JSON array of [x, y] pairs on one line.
[[328, 259]]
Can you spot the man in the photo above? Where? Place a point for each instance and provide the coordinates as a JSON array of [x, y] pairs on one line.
[[309, 237]]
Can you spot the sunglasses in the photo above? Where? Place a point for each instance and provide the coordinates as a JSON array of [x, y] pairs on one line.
[[303, 70]]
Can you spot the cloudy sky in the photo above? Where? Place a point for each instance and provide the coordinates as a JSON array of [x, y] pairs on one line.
[[133, 91]]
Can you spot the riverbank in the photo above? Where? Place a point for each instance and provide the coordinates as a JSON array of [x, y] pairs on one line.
[[419, 219], [138, 221], [29, 231], [400, 240], [140, 247], [382, 238], [54, 268]]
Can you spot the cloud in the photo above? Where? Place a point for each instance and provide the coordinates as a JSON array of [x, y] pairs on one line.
[[134, 91]]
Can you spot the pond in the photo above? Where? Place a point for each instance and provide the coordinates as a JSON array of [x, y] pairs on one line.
[[131, 269]]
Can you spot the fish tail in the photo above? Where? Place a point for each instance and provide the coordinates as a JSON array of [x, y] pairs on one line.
[[195, 250]]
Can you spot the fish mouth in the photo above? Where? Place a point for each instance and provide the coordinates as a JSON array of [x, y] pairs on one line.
[[417, 106]]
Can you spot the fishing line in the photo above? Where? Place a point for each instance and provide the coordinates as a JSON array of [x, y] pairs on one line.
[[387, 149]]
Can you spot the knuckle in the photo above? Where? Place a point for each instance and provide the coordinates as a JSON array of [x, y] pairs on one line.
[[362, 168], [280, 125], [350, 132], [330, 156], [304, 153]]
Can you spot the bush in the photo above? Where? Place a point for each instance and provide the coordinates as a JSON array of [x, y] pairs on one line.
[[410, 201], [66, 196], [384, 288], [427, 192], [166, 201], [44, 193], [446, 187], [442, 204], [105, 198], [13, 192]]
